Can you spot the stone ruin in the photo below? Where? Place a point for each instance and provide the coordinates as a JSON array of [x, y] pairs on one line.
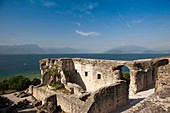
[[94, 86]]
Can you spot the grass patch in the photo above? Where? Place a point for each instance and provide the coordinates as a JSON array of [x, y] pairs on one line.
[[59, 87]]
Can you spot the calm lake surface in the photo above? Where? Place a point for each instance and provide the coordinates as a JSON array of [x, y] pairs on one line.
[[11, 65]]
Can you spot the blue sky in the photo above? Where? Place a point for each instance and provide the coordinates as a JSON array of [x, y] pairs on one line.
[[94, 25]]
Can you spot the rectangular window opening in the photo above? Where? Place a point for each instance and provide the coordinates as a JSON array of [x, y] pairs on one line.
[[98, 76], [86, 73]]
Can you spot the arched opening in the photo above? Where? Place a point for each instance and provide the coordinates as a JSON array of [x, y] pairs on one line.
[[122, 72], [126, 74]]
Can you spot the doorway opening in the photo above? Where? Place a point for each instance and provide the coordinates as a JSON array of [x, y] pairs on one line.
[[126, 74]]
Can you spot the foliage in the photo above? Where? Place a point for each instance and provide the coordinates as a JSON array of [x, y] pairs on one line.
[[58, 85], [3, 85], [126, 75], [52, 71], [35, 81], [17, 83]]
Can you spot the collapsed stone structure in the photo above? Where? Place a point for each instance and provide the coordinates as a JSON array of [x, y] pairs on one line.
[[95, 86], [159, 102]]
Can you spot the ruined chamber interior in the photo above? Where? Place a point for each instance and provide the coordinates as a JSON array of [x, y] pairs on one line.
[[81, 75]]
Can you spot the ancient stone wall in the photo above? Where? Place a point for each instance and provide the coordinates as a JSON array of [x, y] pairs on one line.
[[103, 100], [163, 77], [40, 93], [70, 104], [94, 74], [107, 99], [159, 102], [102, 79]]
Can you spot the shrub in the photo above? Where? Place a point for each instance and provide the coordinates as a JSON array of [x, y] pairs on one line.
[[57, 85], [18, 83], [3, 85], [126, 75], [35, 81]]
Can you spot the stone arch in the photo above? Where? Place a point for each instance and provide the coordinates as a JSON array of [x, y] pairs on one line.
[[133, 82], [127, 74], [119, 72]]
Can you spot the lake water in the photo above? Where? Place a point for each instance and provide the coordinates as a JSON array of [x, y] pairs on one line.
[[11, 65]]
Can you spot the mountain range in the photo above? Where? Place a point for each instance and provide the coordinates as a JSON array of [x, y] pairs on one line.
[[135, 49], [35, 49]]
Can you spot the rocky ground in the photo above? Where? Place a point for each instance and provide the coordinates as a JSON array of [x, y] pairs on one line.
[[21, 101]]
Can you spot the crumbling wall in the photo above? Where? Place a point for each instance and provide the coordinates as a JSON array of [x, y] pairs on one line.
[[163, 77], [103, 100], [64, 66], [159, 102], [143, 73], [107, 99], [40, 93], [69, 104], [93, 74]]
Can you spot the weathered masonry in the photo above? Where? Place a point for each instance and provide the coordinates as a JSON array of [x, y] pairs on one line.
[[95, 86], [158, 102], [92, 74]]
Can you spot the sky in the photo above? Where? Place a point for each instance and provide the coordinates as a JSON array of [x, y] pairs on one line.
[[93, 25]]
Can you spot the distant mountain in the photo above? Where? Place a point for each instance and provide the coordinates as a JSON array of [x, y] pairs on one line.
[[129, 49], [21, 49], [162, 50], [35, 49], [63, 50]]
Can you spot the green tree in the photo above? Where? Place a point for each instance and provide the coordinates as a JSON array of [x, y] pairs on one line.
[[35, 81], [3, 85], [126, 75], [18, 83]]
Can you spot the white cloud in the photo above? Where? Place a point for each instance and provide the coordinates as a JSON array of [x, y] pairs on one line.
[[123, 20], [78, 24], [84, 9], [87, 33], [92, 6], [137, 21], [48, 3]]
